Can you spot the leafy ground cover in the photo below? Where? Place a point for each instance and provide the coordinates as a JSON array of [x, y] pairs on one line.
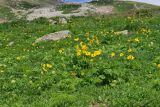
[[6, 13], [94, 66], [68, 8]]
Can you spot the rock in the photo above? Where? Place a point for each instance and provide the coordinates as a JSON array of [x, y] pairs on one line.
[[54, 36], [124, 32], [62, 21]]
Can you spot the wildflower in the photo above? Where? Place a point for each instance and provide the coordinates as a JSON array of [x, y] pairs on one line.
[[130, 50], [61, 50], [158, 65], [91, 41], [87, 53], [78, 50], [46, 67], [97, 52], [136, 40], [49, 66], [130, 57], [93, 55], [84, 47], [121, 54], [18, 58], [76, 39], [113, 54], [79, 53]]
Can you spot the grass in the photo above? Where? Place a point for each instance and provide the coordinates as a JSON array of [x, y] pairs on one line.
[[27, 5], [6, 13], [95, 65], [51, 74], [68, 8]]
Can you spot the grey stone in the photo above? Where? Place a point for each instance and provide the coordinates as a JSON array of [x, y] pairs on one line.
[[124, 32], [54, 36]]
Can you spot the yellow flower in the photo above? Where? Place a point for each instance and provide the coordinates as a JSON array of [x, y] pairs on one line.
[[137, 40], [78, 53], [87, 53], [158, 65], [81, 43], [130, 50], [97, 52], [130, 57], [18, 58], [76, 39], [84, 47], [121, 54], [49, 66], [113, 54], [93, 55], [46, 67], [91, 41], [61, 50]]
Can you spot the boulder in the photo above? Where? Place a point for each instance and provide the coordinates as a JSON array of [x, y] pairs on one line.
[[54, 36]]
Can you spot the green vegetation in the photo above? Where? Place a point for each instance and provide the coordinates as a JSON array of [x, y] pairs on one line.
[[68, 8], [122, 6], [95, 65], [111, 69], [103, 2], [27, 5], [6, 13]]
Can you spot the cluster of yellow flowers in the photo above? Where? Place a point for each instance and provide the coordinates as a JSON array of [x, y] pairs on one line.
[[129, 57], [61, 50], [83, 50], [93, 39], [144, 31], [46, 67], [137, 40]]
